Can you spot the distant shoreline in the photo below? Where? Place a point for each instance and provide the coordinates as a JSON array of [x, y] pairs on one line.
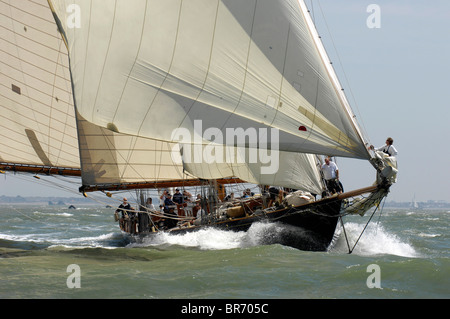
[[46, 200], [67, 201]]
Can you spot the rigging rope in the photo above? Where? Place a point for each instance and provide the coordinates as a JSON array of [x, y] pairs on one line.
[[380, 214], [360, 235]]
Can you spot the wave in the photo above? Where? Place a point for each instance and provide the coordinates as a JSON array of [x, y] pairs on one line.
[[375, 241], [109, 240], [21, 238], [215, 239], [260, 233], [204, 239], [90, 241], [429, 235], [52, 214]]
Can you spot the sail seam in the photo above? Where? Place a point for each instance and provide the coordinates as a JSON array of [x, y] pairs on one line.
[[246, 65], [200, 89], [133, 141], [30, 109], [168, 70], [282, 74], [27, 12], [34, 77], [81, 89], [105, 60], [10, 147], [50, 118], [32, 87], [31, 40]]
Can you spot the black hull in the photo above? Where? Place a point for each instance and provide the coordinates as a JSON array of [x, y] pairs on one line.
[[309, 227]]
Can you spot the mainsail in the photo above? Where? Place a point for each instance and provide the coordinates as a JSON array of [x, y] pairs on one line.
[[228, 63], [107, 93]]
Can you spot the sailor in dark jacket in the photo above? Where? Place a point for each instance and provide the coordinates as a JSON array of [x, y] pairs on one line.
[[124, 208]]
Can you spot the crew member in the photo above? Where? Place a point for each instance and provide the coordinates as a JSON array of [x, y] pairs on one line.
[[388, 148], [331, 175]]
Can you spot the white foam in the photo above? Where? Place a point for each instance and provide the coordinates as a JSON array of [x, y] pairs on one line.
[[52, 214], [93, 241], [374, 241], [212, 238], [429, 235], [208, 239], [25, 238]]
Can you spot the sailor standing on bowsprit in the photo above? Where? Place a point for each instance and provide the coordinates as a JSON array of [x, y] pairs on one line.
[[388, 148]]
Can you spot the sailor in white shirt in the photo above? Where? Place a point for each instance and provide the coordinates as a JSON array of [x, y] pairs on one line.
[[388, 149], [331, 175]]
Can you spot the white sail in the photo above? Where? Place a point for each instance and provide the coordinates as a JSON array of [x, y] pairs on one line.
[[256, 158], [286, 169], [108, 157], [161, 93], [37, 126], [227, 63]]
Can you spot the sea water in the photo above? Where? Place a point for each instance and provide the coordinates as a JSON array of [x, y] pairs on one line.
[[56, 252]]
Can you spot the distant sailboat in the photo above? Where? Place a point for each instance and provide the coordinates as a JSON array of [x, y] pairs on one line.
[[414, 203], [166, 94]]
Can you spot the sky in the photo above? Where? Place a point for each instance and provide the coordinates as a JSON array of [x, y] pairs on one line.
[[397, 79], [395, 70]]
